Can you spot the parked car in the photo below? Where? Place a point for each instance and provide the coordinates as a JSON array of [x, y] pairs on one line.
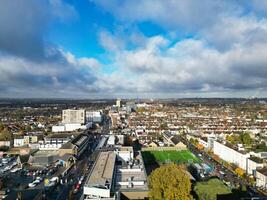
[[32, 185]]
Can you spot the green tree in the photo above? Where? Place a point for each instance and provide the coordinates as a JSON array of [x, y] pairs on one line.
[[246, 139], [169, 182], [230, 138], [1, 127], [193, 141], [6, 135]]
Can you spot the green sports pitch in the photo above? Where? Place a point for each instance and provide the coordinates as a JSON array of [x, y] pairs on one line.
[[160, 157]]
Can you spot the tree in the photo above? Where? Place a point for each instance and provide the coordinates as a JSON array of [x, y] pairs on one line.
[[246, 139], [163, 126], [193, 141], [239, 171], [169, 182], [6, 135], [1, 127]]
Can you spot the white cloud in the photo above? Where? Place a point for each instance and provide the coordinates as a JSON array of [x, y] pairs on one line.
[[109, 42], [189, 14]]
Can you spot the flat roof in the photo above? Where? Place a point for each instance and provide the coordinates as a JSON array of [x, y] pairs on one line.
[[103, 169], [131, 176], [46, 153], [125, 148], [256, 159], [263, 171]]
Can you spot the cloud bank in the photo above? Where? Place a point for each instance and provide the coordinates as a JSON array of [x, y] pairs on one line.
[[207, 49]]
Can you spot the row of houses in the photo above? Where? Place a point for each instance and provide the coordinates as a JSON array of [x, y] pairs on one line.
[[252, 163]]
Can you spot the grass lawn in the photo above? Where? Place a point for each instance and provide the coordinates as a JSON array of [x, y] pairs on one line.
[[151, 157], [209, 190]]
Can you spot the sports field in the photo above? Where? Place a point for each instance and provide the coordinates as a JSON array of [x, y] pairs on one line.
[[151, 157]]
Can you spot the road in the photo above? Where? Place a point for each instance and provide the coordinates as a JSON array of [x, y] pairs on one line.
[[229, 175], [62, 191], [80, 168]]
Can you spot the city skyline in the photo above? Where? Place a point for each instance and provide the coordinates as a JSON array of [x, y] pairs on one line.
[[132, 49]]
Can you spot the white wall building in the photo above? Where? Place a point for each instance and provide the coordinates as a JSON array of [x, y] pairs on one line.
[[118, 103], [261, 178], [231, 155], [125, 153], [18, 142], [71, 116], [111, 140], [59, 128], [204, 142], [254, 163], [95, 117], [70, 127]]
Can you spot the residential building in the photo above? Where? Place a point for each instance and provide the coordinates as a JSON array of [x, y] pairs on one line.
[[71, 116], [6, 143], [30, 139], [261, 178], [19, 142], [118, 103], [254, 163], [203, 141], [228, 153]]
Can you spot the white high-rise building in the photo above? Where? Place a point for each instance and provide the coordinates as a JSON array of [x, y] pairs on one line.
[[71, 116], [118, 103]]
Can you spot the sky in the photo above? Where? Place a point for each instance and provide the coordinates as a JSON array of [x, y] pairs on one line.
[[133, 48]]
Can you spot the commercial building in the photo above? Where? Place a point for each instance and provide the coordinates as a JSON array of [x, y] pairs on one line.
[[95, 117], [70, 127], [100, 182], [71, 116], [55, 141], [76, 146], [43, 158], [114, 180], [131, 178], [125, 153]]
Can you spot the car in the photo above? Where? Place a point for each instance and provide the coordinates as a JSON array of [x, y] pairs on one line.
[[39, 178], [32, 185], [36, 182], [81, 179], [77, 187]]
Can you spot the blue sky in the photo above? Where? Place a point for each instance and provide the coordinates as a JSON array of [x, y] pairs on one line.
[[129, 49]]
